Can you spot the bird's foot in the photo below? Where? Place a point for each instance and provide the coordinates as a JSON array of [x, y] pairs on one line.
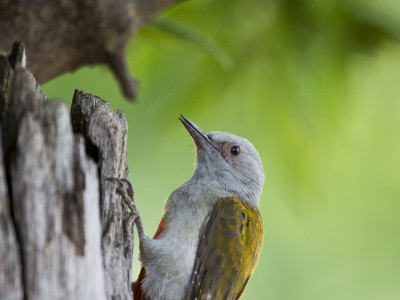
[[125, 189]]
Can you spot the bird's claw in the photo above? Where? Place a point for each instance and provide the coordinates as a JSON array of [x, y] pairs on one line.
[[125, 190]]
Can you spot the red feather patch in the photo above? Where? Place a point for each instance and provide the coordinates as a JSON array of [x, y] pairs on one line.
[[137, 291]]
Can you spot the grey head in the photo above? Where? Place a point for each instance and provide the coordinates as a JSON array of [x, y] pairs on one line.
[[228, 164]]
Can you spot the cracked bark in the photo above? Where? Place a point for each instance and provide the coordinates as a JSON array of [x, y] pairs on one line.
[[61, 224]]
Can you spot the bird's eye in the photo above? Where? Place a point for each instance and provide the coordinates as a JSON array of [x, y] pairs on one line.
[[235, 150]]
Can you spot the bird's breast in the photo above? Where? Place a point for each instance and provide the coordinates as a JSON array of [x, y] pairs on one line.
[[169, 271]]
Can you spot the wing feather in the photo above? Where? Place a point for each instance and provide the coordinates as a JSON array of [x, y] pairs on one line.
[[229, 247]]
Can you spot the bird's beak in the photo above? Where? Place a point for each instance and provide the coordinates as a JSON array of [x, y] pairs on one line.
[[199, 136]]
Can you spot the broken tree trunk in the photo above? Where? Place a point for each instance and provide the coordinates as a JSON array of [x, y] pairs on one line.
[[63, 228]]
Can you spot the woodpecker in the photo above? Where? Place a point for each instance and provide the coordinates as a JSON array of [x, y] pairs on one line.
[[210, 236]]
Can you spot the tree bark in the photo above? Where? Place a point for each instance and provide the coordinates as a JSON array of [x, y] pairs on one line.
[[63, 228]]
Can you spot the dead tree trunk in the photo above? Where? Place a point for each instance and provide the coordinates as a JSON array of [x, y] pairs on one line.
[[63, 228]]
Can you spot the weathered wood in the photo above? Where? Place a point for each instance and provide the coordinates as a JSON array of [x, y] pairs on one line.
[[106, 133], [63, 228], [10, 267]]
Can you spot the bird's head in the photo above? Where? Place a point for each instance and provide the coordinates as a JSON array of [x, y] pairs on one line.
[[228, 163]]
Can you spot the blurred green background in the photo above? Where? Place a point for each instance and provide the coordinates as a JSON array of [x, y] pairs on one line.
[[315, 85]]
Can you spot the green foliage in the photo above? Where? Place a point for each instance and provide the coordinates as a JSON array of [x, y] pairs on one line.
[[314, 85], [195, 37]]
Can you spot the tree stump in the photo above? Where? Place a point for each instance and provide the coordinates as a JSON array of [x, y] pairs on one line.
[[63, 228]]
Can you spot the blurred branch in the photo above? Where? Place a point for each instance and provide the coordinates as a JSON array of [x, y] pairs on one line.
[[62, 36]]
